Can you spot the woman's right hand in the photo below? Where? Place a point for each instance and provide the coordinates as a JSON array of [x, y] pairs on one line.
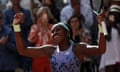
[[18, 18]]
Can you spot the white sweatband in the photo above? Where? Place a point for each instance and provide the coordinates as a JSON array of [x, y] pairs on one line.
[[100, 28], [104, 28], [61, 24], [17, 28]]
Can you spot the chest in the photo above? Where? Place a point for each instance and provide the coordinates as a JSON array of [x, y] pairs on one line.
[[65, 62]]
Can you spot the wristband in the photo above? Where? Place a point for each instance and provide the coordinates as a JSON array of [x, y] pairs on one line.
[[17, 28], [104, 28], [100, 28]]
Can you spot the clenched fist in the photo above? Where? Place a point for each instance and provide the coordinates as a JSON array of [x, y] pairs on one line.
[[18, 18]]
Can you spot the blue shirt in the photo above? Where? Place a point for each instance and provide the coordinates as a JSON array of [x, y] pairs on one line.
[[8, 16], [85, 10], [8, 51]]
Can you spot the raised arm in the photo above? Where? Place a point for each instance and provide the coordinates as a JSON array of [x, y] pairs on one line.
[[87, 51], [93, 51], [22, 48]]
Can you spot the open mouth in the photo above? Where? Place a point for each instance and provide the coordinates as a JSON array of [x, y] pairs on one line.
[[57, 37]]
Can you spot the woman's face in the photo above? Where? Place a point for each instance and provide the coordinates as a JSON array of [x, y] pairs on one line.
[[112, 18], [59, 34], [74, 23], [43, 18]]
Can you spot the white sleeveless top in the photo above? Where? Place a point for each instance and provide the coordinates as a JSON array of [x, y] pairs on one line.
[[112, 54], [65, 61]]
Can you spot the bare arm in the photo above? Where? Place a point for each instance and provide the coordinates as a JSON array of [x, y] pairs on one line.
[[82, 50], [22, 48], [89, 52]]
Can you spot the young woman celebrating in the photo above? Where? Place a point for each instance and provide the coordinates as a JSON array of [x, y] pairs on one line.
[[65, 56]]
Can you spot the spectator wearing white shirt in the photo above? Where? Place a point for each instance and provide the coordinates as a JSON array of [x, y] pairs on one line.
[[84, 9]]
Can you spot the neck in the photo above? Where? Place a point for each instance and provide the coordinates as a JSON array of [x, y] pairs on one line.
[[64, 46], [16, 8], [45, 26], [75, 32]]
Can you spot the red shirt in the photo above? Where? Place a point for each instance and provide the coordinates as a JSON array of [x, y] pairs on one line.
[[39, 37]]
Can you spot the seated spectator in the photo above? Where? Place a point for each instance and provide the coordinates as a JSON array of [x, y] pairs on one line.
[[110, 61]]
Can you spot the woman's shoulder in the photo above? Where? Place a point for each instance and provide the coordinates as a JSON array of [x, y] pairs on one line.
[[50, 49], [79, 47]]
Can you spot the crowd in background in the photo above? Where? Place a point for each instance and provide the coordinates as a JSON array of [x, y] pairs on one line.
[[40, 15]]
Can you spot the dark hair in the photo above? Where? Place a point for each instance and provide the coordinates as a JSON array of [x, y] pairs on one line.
[[80, 18], [66, 28], [111, 24]]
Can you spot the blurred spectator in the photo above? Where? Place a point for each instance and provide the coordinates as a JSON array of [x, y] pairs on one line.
[[80, 35], [76, 7], [8, 15], [40, 34], [30, 4], [75, 23], [110, 61], [8, 50], [2, 7], [3, 1], [8, 5], [51, 5], [3, 4], [61, 4], [70, 10], [27, 4]]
